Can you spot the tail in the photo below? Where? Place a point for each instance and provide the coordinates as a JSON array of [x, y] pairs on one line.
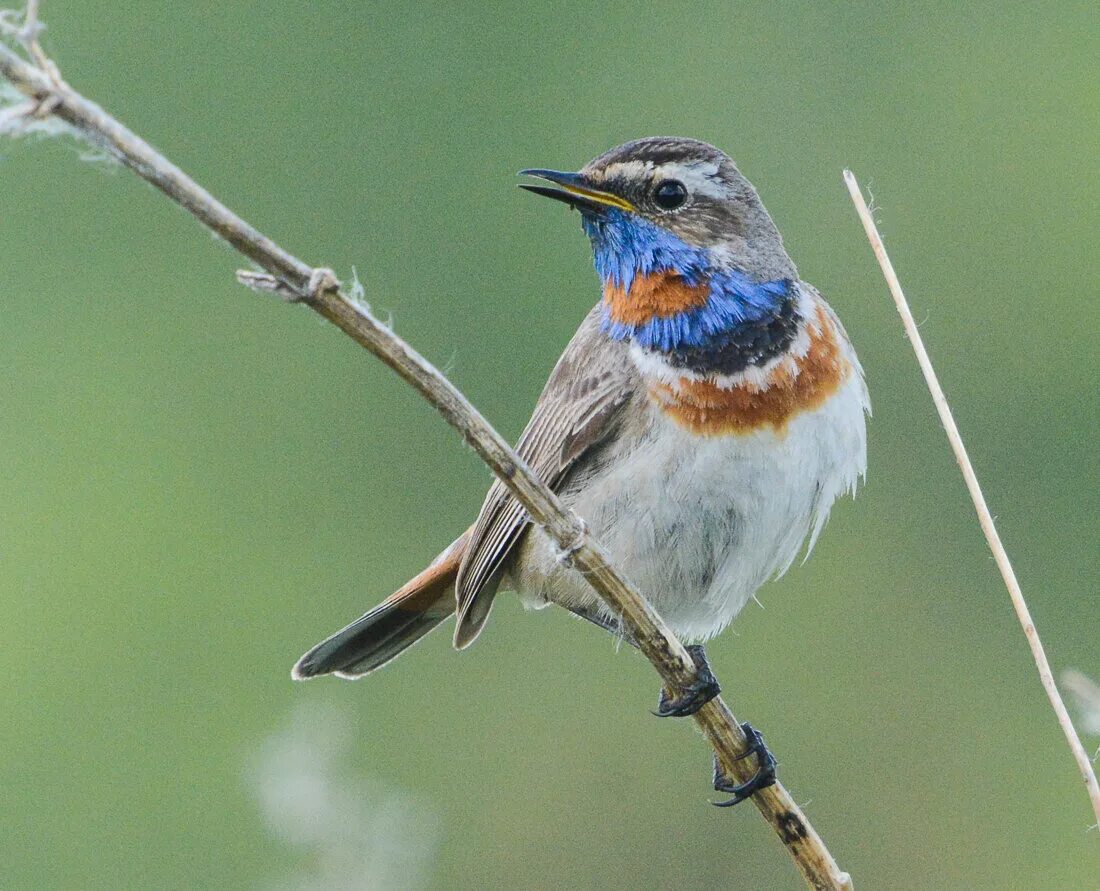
[[393, 626]]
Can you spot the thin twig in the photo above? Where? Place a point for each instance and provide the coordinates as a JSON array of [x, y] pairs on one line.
[[26, 33], [984, 517], [318, 289]]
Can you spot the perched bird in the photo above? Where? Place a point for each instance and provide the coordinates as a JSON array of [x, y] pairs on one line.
[[702, 421]]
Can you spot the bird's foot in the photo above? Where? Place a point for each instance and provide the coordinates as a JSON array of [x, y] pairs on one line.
[[697, 694], [764, 776]]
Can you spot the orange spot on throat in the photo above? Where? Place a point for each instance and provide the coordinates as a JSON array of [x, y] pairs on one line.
[[660, 294], [794, 385]]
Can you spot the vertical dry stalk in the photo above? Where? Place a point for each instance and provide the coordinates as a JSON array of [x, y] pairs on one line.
[[984, 516], [318, 289]]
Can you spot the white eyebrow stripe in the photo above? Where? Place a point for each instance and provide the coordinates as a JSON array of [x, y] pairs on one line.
[[699, 176]]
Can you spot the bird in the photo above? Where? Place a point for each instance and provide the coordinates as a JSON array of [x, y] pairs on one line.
[[704, 418]]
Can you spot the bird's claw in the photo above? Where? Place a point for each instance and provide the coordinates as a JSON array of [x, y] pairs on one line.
[[689, 700], [764, 776]]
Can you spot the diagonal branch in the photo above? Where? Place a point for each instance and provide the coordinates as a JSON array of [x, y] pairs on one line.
[[985, 518], [319, 289]]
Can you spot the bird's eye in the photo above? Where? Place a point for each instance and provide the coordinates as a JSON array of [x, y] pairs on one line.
[[670, 194]]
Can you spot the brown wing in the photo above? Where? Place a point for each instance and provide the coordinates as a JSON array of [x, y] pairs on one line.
[[578, 408]]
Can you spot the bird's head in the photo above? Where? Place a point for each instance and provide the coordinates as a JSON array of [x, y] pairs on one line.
[[670, 203], [692, 265]]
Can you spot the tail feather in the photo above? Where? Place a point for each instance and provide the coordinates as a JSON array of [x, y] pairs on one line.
[[393, 626]]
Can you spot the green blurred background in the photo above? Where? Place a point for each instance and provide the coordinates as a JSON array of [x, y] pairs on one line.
[[197, 483]]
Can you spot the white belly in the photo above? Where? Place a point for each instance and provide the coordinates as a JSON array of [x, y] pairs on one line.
[[700, 523]]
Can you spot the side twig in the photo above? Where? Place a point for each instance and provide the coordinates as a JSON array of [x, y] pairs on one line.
[[319, 289], [984, 516]]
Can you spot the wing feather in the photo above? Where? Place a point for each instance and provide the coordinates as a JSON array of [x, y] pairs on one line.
[[579, 407]]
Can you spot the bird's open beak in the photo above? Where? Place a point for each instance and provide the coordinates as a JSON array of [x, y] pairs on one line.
[[575, 191]]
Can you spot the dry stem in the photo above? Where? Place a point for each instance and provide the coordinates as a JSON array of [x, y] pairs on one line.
[[984, 516], [318, 289]]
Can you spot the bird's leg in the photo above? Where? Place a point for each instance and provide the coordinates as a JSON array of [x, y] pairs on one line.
[[608, 624], [688, 701], [764, 776], [693, 697]]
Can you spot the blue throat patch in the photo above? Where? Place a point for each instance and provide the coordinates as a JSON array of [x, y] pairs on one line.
[[625, 246]]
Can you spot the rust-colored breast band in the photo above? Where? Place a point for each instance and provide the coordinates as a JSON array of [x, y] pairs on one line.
[[794, 386]]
